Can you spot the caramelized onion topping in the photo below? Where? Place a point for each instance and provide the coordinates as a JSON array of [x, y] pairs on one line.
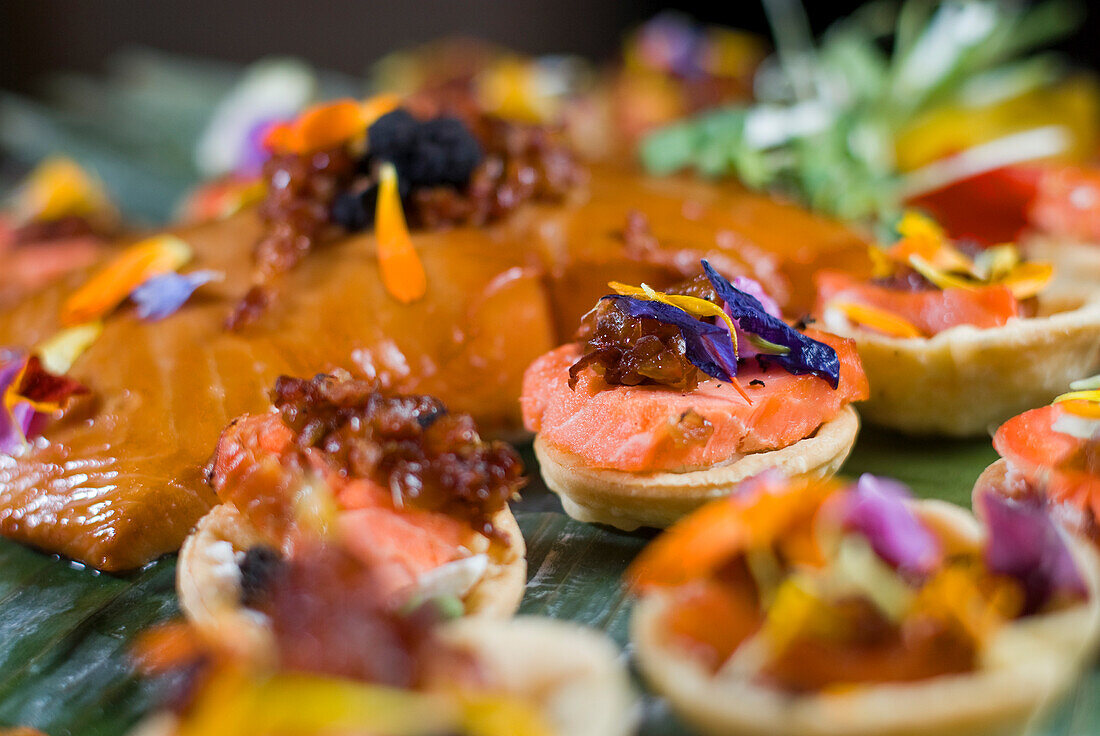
[[630, 351], [430, 459], [300, 191]]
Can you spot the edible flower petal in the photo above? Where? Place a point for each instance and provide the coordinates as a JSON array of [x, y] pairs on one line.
[[806, 354], [59, 352], [1085, 403], [708, 345], [59, 188], [924, 238], [1025, 543], [925, 248], [876, 508], [1027, 279], [402, 271], [877, 319], [13, 427], [321, 126], [29, 394], [133, 267], [768, 510], [693, 305], [162, 295]]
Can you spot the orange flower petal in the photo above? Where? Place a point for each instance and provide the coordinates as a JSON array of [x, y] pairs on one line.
[[759, 516], [328, 125], [877, 319], [402, 271], [134, 266]]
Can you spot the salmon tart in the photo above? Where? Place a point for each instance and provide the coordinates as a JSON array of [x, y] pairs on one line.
[[810, 607], [348, 657], [391, 481], [670, 399], [954, 341], [1051, 455]]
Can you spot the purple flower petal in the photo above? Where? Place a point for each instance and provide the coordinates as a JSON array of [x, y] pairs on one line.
[[877, 509], [753, 288], [1025, 543], [162, 295], [13, 423], [708, 346], [806, 355]]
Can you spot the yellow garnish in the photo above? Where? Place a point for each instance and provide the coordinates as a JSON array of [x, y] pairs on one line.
[[489, 714], [1084, 403], [59, 352], [402, 272], [877, 319], [58, 188], [925, 248], [693, 305], [1084, 400], [881, 265], [1027, 279], [234, 702], [954, 594], [1083, 409], [137, 264], [921, 236], [941, 279], [996, 262], [375, 107], [796, 611]]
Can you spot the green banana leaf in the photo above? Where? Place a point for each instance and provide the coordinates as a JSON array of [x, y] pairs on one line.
[[65, 630]]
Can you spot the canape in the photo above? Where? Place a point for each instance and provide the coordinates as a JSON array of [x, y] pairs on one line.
[[1051, 455], [953, 344], [394, 481], [820, 608], [346, 657], [670, 399]]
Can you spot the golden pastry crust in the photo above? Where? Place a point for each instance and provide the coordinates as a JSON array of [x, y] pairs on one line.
[[208, 581], [964, 380], [573, 673], [631, 500], [1024, 668]]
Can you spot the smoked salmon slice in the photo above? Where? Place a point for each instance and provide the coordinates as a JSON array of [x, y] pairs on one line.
[[626, 427]]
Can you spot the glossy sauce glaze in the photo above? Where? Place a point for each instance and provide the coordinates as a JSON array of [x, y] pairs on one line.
[[118, 481]]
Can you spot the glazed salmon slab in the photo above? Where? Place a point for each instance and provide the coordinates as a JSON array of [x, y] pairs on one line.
[[119, 481]]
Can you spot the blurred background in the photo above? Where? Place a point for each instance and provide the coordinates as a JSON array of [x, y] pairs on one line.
[[129, 89], [38, 37]]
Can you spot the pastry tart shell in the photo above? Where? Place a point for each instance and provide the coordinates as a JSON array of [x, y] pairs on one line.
[[632, 500], [964, 380], [208, 581], [1024, 668]]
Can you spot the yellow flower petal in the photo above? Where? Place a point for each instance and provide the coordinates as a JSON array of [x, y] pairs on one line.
[[60, 351], [1028, 279]]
